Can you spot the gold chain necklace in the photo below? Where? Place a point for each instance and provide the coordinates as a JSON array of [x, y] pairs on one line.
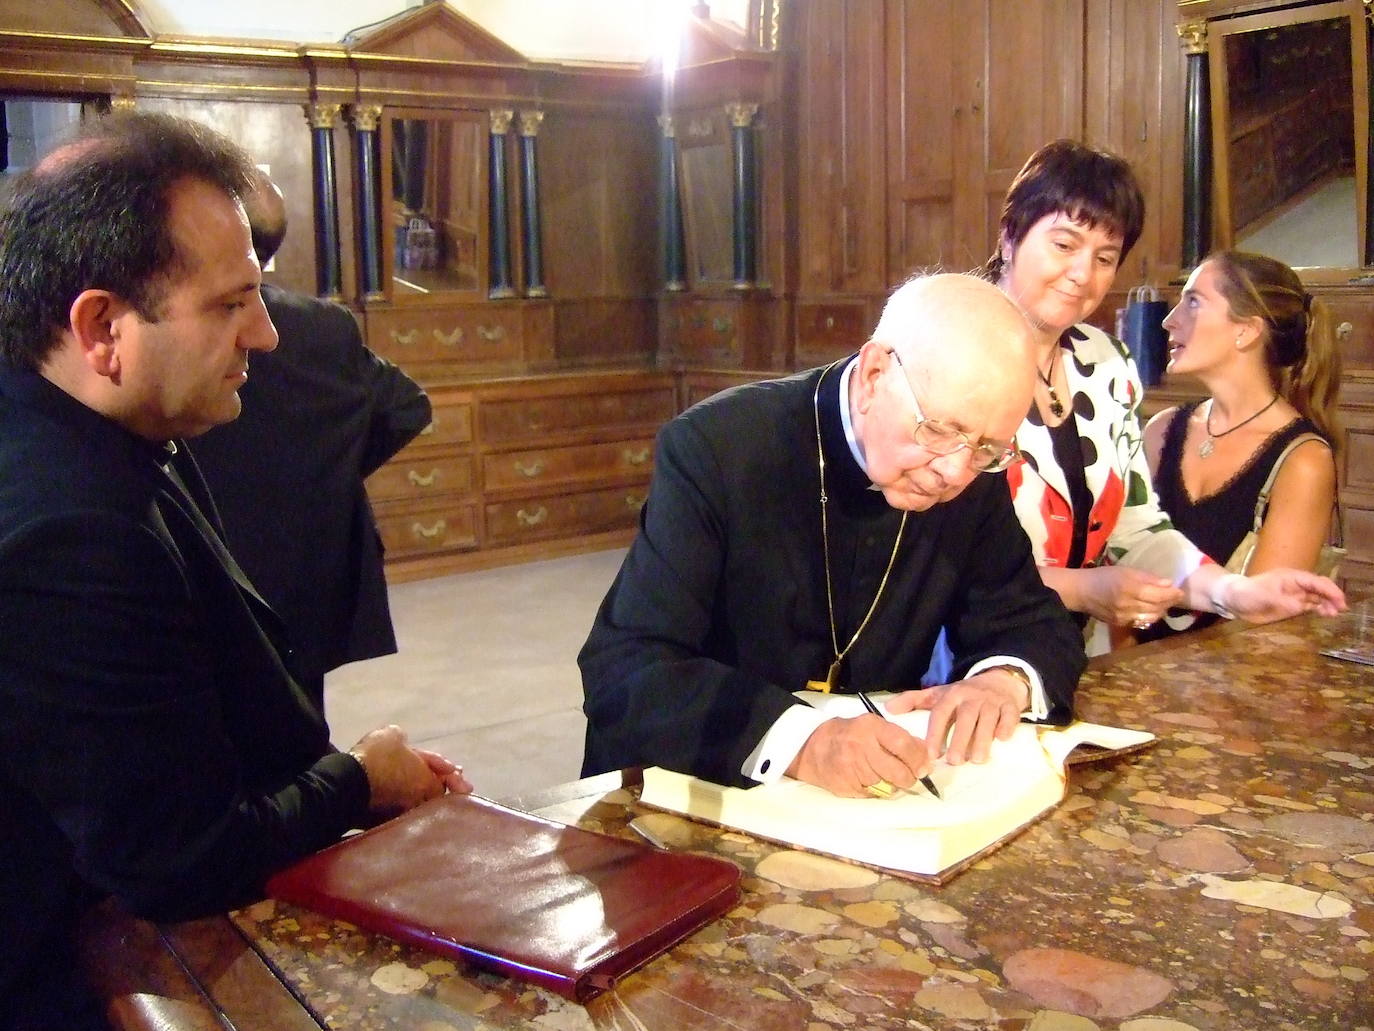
[[832, 676]]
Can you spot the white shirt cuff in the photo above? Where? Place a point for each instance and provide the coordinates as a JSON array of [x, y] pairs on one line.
[[777, 748], [1038, 708]]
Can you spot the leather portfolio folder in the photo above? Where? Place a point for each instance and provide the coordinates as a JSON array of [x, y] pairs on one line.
[[565, 908]]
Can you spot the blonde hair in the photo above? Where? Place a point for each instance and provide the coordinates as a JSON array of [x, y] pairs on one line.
[[1300, 349]]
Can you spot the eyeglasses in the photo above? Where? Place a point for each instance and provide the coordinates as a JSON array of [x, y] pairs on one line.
[[988, 456]]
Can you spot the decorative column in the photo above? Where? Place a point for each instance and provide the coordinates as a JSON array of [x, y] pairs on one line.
[[499, 273], [674, 264], [328, 269], [366, 118], [533, 251], [1197, 146], [746, 197], [1368, 256]]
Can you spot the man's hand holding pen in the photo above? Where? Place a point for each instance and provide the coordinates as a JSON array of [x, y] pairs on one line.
[[848, 756]]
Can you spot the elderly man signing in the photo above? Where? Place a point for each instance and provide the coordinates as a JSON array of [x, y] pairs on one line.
[[820, 531]]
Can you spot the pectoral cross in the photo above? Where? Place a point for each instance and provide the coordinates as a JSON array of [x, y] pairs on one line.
[[832, 679]]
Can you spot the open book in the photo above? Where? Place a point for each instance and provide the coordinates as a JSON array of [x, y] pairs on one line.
[[914, 835]]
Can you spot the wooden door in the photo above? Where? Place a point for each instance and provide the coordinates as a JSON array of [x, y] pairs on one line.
[[973, 89], [841, 193]]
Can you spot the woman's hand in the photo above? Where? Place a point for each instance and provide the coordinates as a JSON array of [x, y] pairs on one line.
[[1117, 595]]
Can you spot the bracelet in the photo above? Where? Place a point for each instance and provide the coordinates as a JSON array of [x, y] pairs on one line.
[[1218, 591], [1019, 673]]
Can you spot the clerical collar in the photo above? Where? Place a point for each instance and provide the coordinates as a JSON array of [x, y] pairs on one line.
[[848, 424]]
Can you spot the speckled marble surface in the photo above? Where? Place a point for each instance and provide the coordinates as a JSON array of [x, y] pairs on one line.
[[1222, 879]]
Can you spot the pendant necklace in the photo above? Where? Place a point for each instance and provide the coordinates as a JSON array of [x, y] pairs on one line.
[[832, 675], [1206, 448], [1056, 405]]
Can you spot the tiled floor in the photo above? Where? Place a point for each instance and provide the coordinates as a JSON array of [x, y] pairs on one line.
[[487, 671]]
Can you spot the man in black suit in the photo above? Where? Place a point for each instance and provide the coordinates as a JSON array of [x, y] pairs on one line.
[[153, 745], [320, 414], [820, 531]]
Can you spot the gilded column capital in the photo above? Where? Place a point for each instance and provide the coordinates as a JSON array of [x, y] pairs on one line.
[[366, 117], [665, 122], [500, 121], [741, 114], [123, 102], [529, 122], [1193, 37], [322, 116]]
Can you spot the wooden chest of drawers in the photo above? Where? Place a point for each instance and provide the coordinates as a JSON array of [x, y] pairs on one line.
[[521, 467], [436, 342]]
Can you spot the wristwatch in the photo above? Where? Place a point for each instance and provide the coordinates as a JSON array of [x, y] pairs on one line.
[[1016, 671]]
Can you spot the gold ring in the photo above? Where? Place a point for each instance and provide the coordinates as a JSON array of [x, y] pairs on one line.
[[1143, 621], [880, 789]]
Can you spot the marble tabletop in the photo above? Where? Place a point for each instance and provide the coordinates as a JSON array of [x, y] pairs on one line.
[[1222, 879]]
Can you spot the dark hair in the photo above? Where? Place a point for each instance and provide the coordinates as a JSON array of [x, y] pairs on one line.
[[94, 214], [1093, 187], [1299, 341]]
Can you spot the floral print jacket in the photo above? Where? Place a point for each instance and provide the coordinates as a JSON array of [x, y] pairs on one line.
[[1104, 392]]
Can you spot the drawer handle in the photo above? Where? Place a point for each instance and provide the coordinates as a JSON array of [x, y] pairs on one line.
[[449, 339], [408, 337], [423, 479], [491, 332], [830, 322], [428, 532], [635, 457], [723, 325], [530, 471], [433, 425], [634, 501], [1344, 330], [532, 518]]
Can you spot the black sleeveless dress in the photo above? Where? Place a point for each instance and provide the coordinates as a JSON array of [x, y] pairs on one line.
[[1218, 522]]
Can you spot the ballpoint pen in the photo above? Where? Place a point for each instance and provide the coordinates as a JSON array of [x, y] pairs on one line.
[[926, 782]]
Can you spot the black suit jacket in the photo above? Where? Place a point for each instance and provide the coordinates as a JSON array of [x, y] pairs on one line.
[[152, 743], [320, 414], [719, 611]]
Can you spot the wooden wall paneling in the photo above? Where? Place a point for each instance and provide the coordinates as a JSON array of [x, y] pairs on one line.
[[598, 181], [841, 208], [1031, 85], [594, 331], [1356, 478], [926, 156], [598, 177], [1133, 106], [109, 18], [981, 85], [67, 67]]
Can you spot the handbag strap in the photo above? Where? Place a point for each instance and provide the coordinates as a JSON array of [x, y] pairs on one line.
[[1262, 501]]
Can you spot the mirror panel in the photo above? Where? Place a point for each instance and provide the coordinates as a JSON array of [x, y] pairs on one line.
[[1290, 124], [437, 210], [708, 202]]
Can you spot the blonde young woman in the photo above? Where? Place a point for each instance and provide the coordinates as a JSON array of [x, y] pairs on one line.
[[1265, 350], [1083, 493]]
